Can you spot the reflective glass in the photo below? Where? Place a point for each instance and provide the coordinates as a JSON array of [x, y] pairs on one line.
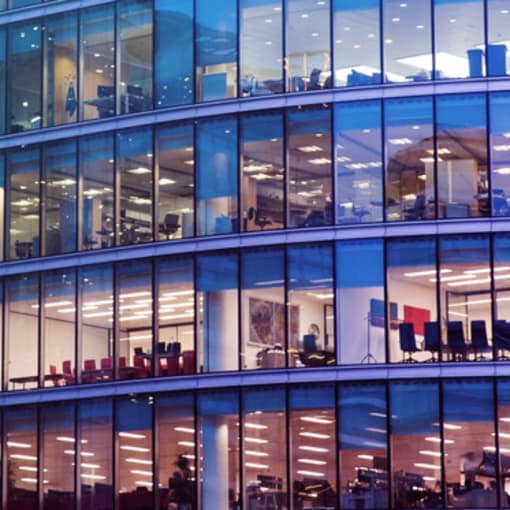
[[216, 49], [261, 47], [309, 174], [217, 181], [3, 70], [503, 426], [217, 321], [24, 77], [21, 3], [59, 197], [362, 442], [263, 308], [2, 209], [61, 73], [409, 154], [407, 39], [173, 55], [356, 39], [134, 25], [97, 70], [308, 55], [262, 171], [461, 148], [361, 317], [358, 159], [498, 37], [176, 181], [459, 38]]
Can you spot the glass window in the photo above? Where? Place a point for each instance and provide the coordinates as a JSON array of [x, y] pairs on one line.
[[20, 429], [461, 148], [59, 198], [308, 55], [217, 321], [24, 77], [134, 440], [3, 75], [134, 24], [263, 308], [176, 181], [95, 434], [176, 316], [362, 442], [498, 38], [22, 329], [216, 49], [175, 430], [136, 179], [312, 451], [3, 233], [358, 159], [97, 174], [501, 298], [97, 62], [361, 301], [409, 153], [264, 452], [96, 323], [262, 171], [459, 43], [310, 303], [499, 152], [465, 296], [134, 318], [218, 439], [412, 299], [21, 3], [356, 42], [415, 443], [468, 434], [60, 62], [261, 47], [173, 55], [407, 39], [309, 175], [503, 428], [58, 318], [217, 172], [58, 455]]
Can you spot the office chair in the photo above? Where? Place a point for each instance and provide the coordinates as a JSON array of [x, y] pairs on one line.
[[68, 372], [479, 339], [432, 340], [257, 217], [173, 348], [407, 341], [170, 225], [161, 347], [501, 336], [418, 211], [455, 340], [139, 351], [309, 343]]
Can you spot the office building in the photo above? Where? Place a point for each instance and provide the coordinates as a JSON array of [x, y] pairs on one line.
[[255, 254]]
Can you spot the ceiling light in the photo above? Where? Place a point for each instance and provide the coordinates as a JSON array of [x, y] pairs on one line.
[[132, 435], [255, 426], [400, 141], [164, 181], [365, 457], [426, 466], [139, 461], [255, 465], [22, 457], [453, 278], [130, 448], [438, 440], [32, 469], [141, 472], [431, 453], [313, 449], [89, 466], [191, 444], [92, 477], [15, 444], [311, 473], [140, 170], [310, 148], [451, 426], [256, 454], [502, 171], [185, 429], [312, 461], [426, 273], [255, 440], [315, 435]]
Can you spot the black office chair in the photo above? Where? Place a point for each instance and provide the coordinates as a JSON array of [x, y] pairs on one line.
[[418, 211], [432, 341], [501, 336], [407, 341], [479, 339], [161, 347], [455, 340], [170, 225]]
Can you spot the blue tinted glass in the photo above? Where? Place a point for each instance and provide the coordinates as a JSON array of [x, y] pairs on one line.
[[263, 400], [312, 397], [498, 37], [216, 272], [134, 414], [217, 403], [2, 78], [22, 3], [310, 267]]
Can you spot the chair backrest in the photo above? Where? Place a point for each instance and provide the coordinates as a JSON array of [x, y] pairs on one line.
[[67, 367], [171, 221], [455, 335], [188, 362], [138, 361], [122, 361], [106, 363], [432, 341], [407, 338], [161, 347], [138, 351], [309, 343], [479, 334], [53, 369], [89, 364]]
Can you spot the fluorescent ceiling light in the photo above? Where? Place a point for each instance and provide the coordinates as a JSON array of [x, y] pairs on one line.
[[132, 435], [134, 448], [312, 461], [185, 429], [255, 465], [92, 477], [438, 440], [310, 473], [16, 444], [256, 454], [317, 419], [502, 171], [453, 278], [89, 466], [191, 444], [400, 141], [310, 148], [164, 181], [426, 466], [139, 461], [140, 170], [141, 472], [22, 457], [255, 426], [431, 453], [319, 161], [315, 435], [313, 449], [255, 440]]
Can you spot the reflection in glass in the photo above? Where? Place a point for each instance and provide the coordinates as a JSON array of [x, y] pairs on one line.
[[3, 70], [503, 428], [358, 159], [501, 298], [498, 38]]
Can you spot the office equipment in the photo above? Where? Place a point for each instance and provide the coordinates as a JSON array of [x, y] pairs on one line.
[[455, 340], [479, 339], [432, 342], [407, 342], [170, 225]]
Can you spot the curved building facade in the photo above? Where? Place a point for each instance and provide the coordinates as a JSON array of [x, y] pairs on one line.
[[255, 254]]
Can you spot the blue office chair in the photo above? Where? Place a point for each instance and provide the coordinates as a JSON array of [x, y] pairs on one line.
[[455, 340], [407, 342], [432, 340], [501, 335], [479, 339]]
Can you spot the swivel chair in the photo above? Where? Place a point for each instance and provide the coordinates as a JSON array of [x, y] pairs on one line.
[[432, 340], [456, 341], [170, 225], [502, 338], [407, 341], [479, 339]]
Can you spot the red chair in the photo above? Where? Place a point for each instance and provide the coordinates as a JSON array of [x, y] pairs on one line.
[[106, 363], [139, 364], [122, 362], [68, 372], [172, 365], [188, 362], [89, 365], [53, 372]]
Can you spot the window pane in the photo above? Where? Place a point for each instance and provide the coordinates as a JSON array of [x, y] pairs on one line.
[[262, 172], [362, 441], [176, 181], [22, 3], [308, 58], [309, 174], [2, 77], [459, 52], [498, 37], [174, 55], [501, 247], [59, 196], [361, 301], [4, 228], [217, 173], [216, 49], [357, 42], [24, 77], [60, 58], [503, 426], [263, 308], [217, 322], [135, 36], [98, 64], [358, 155], [409, 152], [261, 47], [461, 147]]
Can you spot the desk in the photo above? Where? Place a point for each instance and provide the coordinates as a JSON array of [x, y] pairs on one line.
[[26, 379]]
